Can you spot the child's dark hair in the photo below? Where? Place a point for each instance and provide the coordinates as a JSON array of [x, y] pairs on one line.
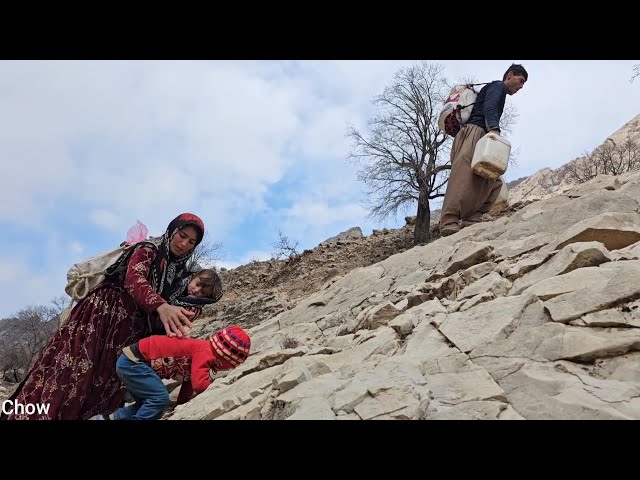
[[210, 282], [516, 70]]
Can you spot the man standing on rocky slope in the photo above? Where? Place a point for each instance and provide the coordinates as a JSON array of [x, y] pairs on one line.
[[469, 195]]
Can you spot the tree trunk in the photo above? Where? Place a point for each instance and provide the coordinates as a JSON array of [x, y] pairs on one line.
[[421, 232]]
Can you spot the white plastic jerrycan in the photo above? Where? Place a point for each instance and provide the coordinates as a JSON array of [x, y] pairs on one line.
[[502, 202], [491, 156]]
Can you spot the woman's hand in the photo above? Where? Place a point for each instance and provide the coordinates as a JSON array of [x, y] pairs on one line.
[[196, 310], [174, 319]]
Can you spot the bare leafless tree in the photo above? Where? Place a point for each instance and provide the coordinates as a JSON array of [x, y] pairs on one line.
[[12, 363], [285, 247], [405, 157], [629, 152], [59, 303], [636, 72], [609, 158], [206, 254], [508, 120], [37, 325], [581, 170], [25, 334], [13, 359]]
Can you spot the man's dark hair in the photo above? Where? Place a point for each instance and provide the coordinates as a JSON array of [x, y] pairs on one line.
[[516, 70]]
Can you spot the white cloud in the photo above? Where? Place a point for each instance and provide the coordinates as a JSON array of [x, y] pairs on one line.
[[77, 248], [36, 272], [311, 220], [10, 270], [319, 214], [324, 136], [104, 143], [87, 130], [249, 256], [22, 286], [105, 219], [259, 255], [227, 265]]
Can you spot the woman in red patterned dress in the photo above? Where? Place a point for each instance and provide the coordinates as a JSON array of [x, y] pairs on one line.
[[76, 372]]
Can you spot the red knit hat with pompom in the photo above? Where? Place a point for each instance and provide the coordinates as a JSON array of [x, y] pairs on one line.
[[232, 346]]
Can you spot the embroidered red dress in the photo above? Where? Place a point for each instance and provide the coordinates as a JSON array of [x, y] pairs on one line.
[[76, 373]]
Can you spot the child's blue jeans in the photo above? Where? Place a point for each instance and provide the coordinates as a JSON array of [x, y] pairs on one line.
[[145, 387]]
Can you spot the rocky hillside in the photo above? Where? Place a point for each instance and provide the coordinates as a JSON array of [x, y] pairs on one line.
[[258, 291], [535, 315], [532, 314], [547, 182]]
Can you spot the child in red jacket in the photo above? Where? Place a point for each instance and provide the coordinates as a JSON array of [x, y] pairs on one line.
[[187, 360]]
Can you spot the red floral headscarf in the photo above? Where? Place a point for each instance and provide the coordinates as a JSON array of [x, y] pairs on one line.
[[166, 269]]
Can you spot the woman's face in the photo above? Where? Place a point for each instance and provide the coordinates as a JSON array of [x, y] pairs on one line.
[[183, 241]]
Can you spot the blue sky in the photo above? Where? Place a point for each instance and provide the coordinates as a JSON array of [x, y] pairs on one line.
[[253, 147]]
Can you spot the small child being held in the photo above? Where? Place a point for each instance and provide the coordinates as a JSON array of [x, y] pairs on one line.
[[204, 283], [196, 290]]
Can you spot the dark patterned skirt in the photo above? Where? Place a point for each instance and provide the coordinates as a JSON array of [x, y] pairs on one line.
[[76, 372]]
